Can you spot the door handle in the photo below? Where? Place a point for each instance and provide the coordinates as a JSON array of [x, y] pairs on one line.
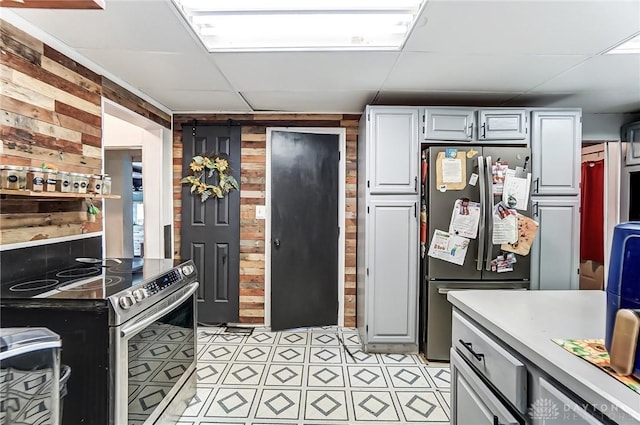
[[484, 130], [537, 182], [536, 210], [469, 347], [276, 242], [496, 421]]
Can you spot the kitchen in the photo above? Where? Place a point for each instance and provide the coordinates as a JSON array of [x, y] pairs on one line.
[[170, 126]]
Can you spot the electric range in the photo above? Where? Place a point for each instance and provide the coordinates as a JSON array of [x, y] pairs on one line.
[[128, 333]]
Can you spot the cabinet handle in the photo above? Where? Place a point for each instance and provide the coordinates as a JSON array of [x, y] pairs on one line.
[[496, 421], [537, 182], [469, 347], [484, 130], [415, 184], [470, 130], [536, 210]]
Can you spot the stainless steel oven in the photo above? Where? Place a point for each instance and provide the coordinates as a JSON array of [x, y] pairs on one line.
[[156, 359]]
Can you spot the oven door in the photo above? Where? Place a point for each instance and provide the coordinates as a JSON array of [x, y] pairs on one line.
[[155, 356]]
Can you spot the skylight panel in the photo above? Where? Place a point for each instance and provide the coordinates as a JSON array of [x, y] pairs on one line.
[[268, 25]]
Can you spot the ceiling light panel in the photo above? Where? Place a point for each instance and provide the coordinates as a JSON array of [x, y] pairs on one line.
[[632, 45], [261, 25]]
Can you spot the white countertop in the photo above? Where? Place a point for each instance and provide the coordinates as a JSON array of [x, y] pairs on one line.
[[528, 320]]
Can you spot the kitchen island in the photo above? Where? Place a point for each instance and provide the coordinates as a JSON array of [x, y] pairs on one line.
[[514, 330]]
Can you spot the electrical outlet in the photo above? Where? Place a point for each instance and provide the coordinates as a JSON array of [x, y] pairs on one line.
[[261, 212]]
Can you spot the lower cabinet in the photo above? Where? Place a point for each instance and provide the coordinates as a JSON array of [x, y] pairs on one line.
[[494, 385], [391, 281], [555, 253]]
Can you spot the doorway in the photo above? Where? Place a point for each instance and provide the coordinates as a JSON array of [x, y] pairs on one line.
[[304, 242]]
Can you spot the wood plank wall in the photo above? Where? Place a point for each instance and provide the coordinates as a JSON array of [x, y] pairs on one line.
[[51, 112], [252, 181]]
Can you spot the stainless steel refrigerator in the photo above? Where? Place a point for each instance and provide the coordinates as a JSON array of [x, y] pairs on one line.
[[441, 276]]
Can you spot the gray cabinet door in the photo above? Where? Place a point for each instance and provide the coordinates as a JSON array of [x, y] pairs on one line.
[[632, 136], [393, 151], [556, 142], [472, 402], [502, 124], [568, 411], [447, 124], [555, 253], [392, 268]]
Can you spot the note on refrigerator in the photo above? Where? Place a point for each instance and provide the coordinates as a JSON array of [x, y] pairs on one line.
[[465, 218], [515, 192], [447, 247], [505, 224], [452, 170]]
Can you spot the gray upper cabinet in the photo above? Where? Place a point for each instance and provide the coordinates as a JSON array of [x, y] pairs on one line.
[[631, 135], [556, 141], [502, 124], [447, 124], [555, 253], [392, 165], [392, 272]]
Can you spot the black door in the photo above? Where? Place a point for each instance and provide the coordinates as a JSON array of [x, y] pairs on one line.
[[304, 229], [210, 232]]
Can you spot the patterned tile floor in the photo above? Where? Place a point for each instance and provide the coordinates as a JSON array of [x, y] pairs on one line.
[[305, 377]]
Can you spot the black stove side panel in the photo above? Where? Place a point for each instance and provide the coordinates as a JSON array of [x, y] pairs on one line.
[[85, 348], [21, 264]]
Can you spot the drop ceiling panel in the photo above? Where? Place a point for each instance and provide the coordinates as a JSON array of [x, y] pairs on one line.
[[306, 70], [427, 71], [435, 98], [310, 101], [524, 27], [160, 70], [602, 101], [200, 100], [132, 25], [606, 72]]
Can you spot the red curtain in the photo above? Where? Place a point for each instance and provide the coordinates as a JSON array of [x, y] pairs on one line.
[[592, 217]]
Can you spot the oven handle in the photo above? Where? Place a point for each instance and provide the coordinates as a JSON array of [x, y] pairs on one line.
[[132, 329]]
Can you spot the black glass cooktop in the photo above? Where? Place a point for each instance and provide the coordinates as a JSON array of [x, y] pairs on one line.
[[88, 280]]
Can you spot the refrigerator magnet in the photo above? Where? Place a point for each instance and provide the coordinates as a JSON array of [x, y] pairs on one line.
[[442, 188], [471, 153]]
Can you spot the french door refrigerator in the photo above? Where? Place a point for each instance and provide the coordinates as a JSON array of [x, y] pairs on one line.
[[476, 272]]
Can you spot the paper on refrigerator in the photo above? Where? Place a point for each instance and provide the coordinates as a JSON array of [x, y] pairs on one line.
[[465, 218], [447, 247], [515, 192], [505, 224]]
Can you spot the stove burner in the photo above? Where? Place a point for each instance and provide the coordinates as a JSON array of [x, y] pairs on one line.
[[79, 272], [34, 285], [95, 284]]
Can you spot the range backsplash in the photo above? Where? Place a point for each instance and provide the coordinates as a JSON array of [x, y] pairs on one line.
[[24, 263]]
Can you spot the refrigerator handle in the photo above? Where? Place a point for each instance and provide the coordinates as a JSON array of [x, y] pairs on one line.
[[481, 173], [489, 216]]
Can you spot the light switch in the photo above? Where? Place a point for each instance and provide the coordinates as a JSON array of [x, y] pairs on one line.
[[261, 212]]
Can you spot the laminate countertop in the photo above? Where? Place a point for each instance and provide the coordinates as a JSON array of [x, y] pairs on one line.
[[528, 320]]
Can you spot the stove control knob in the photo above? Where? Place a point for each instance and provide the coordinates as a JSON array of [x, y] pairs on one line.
[[139, 294], [187, 270], [126, 301]]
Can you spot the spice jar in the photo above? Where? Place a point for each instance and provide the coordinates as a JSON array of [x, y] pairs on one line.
[[63, 182], [12, 177], [95, 184], [106, 184], [50, 178], [35, 180], [79, 183]]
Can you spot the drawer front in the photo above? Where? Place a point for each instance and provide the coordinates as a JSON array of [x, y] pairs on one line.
[[502, 369]]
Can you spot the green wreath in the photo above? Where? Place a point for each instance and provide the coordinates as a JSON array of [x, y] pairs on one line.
[[202, 165]]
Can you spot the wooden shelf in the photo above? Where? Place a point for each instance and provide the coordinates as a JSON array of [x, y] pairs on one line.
[[55, 194]]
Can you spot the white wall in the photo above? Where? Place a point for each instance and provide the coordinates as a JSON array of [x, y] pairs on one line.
[[605, 126], [119, 133]]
